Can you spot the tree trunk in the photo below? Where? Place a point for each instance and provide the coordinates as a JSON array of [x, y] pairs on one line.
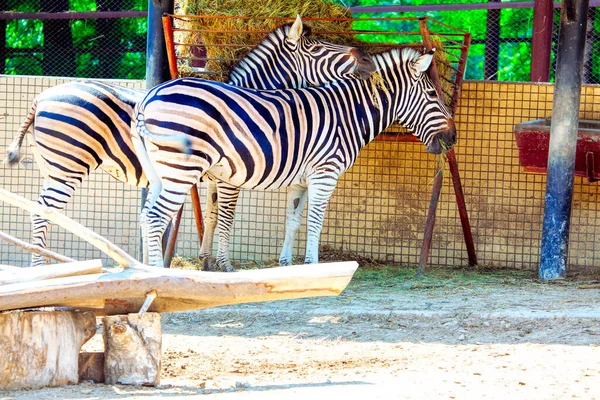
[[41, 348], [59, 53], [132, 349]]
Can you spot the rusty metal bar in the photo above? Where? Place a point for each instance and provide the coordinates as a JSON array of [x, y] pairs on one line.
[[462, 207], [171, 56], [172, 60], [438, 179], [462, 64], [11, 15], [454, 7], [436, 189], [197, 212], [170, 247], [541, 42]]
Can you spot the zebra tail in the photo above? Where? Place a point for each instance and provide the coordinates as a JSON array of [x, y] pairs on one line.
[[179, 141], [14, 150]]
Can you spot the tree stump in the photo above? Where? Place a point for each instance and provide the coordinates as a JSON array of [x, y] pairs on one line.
[[41, 348], [132, 349]]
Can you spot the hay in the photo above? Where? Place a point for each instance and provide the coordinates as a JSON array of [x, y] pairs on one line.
[[239, 31]]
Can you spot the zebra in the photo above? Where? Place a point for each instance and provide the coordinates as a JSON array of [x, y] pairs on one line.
[[300, 139], [84, 125]]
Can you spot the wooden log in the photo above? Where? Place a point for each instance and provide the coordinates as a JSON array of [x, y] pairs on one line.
[[109, 248], [132, 348], [51, 271], [41, 348], [32, 248], [181, 290]]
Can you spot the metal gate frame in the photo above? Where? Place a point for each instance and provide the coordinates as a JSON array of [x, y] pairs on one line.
[[456, 62]]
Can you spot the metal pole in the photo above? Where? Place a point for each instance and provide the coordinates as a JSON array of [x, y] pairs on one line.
[[157, 65], [492, 43], [563, 139], [541, 45]]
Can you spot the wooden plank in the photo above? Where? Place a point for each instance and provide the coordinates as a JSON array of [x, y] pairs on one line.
[[113, 251], [50, 271], [180, 290], [34, 249]]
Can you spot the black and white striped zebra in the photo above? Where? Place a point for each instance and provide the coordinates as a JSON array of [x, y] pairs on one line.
[[302, 139], [84, 125]]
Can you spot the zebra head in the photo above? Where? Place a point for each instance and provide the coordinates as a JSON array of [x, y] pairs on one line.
[[420, 107], [289, 58], [321, 62]]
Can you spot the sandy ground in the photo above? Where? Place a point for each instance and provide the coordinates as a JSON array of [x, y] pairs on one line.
[[493, 339]]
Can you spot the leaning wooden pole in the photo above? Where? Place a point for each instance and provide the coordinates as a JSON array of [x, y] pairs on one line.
[[32, 248], [112, 250]]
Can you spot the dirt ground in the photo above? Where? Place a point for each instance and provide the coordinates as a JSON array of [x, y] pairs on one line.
[[452, 335]]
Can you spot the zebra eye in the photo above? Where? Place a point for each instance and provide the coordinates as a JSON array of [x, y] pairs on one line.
[[432, 93]]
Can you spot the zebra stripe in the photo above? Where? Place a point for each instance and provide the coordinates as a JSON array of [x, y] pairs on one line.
[[84, 125], [303, 139]]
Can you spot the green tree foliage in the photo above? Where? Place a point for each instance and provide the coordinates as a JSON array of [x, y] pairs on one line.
[[515, 34], [119, 43], [122, 47]]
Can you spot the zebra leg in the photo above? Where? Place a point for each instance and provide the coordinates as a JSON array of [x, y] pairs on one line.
[[319, 193], [55, 195], [296, 200], [227, 200], [158, 212], [211, 217], [153, 192]]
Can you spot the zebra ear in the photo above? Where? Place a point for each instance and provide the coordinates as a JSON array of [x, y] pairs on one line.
[[296, 30], [422, 63]]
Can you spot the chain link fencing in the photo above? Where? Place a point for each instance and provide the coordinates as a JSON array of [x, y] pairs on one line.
[[114, 46], [63, 38], [378, 209]]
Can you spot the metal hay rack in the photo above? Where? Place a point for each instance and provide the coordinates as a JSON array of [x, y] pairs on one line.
[[192, 42]]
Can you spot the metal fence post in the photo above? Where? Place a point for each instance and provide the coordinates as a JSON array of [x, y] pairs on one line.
[[563, 139], [157, 65], [541, 41]]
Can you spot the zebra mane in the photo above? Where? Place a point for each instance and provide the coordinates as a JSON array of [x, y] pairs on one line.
[[277, 35]]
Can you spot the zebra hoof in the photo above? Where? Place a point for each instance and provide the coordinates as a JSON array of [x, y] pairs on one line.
[[225, 267], [209, 264]]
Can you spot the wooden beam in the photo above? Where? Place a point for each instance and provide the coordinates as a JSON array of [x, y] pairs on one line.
[[32, 248], [112, 250], [50, 271], [180, 290]]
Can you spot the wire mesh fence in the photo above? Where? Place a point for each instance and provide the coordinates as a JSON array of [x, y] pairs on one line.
[[110, 46], [65, 38], [378, 209]]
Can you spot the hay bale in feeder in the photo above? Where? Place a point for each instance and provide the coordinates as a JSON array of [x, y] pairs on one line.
[[259, 17]]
